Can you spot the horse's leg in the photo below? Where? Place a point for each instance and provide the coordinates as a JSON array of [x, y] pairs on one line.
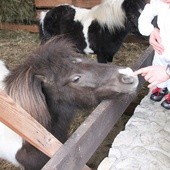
[[110, 58], [31, 158], [101, 58]]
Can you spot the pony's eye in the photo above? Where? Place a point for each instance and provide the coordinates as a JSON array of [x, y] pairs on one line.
[[76, 79]]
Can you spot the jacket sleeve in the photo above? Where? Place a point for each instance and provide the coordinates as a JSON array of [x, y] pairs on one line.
[[145, 19]]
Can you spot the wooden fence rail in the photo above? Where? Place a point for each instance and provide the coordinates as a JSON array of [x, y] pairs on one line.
[[78, 149], [17, 119]]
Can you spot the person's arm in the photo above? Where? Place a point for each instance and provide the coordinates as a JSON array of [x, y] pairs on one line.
[[155, 41], [153, 74], [145, 25]]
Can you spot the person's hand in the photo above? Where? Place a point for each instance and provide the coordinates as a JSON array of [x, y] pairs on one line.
[[155, 41], [153, 74]]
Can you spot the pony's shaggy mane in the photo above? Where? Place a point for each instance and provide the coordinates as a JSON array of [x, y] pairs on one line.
[[25, 89], [110, 15]]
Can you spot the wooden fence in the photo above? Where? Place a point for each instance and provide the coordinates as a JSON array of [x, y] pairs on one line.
[[44, 5], [78, 149]]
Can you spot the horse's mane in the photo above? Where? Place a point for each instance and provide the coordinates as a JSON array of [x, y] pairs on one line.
[[23, 86], [109, 13]]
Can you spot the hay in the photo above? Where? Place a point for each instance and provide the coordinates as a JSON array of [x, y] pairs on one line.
[[16, 46], [17, 11], [4, 165]]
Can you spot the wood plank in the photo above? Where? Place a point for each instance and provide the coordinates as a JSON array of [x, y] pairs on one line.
[[27, 127], [15, 27], [131, 38], [50, 3], [82, 144], [86, 3]]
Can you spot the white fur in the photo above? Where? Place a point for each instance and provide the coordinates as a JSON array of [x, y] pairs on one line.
[[42, 16], [109, 13], [127, 71], [3, 73], [81, 15], [10, 142]]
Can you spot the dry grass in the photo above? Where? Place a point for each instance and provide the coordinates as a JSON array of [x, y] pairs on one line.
[[17, 11], [16, 46], [129, 54]]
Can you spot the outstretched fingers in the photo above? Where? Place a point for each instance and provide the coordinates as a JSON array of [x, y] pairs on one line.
[[142, 71], [153, 84]]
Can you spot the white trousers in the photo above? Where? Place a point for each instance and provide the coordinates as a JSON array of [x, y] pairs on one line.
[[162, 60]]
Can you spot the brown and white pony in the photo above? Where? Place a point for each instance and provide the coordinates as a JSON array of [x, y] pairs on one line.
[[51, 85]]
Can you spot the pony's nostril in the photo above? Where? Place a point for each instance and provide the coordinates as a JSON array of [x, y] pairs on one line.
[[127, 79]]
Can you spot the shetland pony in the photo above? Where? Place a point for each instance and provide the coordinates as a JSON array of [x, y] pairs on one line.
[[51, 85], [99, 30]]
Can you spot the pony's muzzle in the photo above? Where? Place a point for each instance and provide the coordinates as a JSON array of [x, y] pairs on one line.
[[127, 76], [126, 79]]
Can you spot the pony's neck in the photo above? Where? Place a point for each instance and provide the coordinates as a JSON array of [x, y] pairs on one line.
[[109, 13]]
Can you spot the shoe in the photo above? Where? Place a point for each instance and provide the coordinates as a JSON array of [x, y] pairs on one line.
[[158, 94], [166, 102]]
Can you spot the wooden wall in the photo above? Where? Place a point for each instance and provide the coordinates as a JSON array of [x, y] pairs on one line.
[[52, 3]]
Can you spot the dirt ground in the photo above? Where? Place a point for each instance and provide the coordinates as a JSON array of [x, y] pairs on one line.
[[16, 46]]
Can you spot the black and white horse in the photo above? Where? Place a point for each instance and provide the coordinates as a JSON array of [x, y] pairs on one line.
[[99, 30], [51, 85]]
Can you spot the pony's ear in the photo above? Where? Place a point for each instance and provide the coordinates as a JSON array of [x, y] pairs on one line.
[[43, 79]]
